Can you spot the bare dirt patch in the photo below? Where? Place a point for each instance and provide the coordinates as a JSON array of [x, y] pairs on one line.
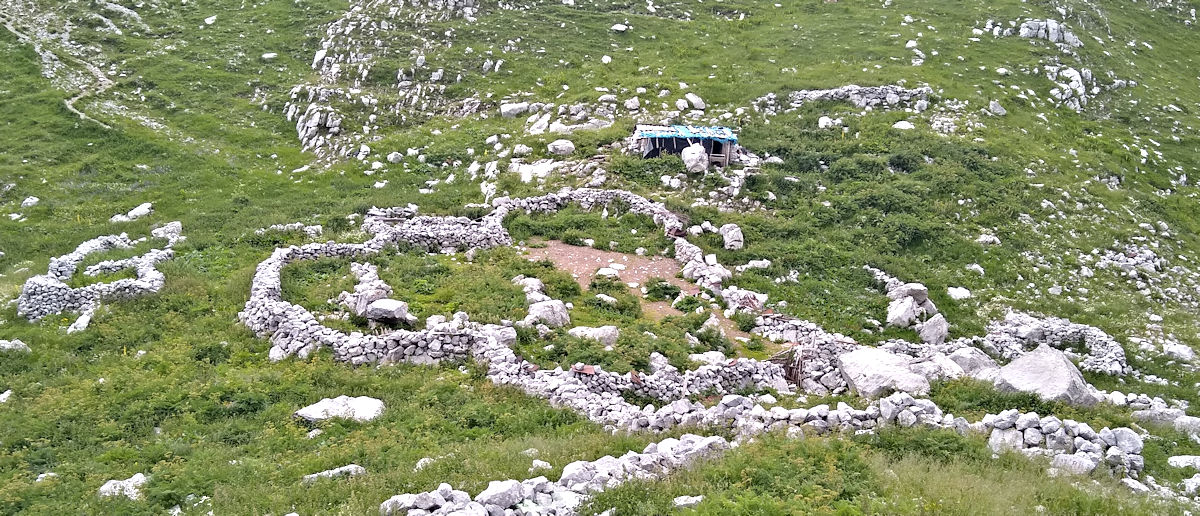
[[583, 262]]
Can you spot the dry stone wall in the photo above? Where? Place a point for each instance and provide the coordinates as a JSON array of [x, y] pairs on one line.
[[49, 293]]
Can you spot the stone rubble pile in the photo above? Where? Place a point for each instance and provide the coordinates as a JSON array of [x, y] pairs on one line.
[[1006, 339], [47, 294], [1018, 332], [370, 298], [543, 311], [910, 307], [346, 56], [1074, 88]]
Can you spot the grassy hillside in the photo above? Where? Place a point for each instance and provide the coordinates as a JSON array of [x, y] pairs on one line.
[[198, 128]]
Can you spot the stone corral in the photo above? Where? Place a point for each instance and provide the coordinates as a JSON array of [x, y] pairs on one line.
[[295, 330], [49, 293]]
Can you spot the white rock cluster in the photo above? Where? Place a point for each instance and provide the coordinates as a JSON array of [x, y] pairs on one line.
[[910, 307], [130, 488], [313, 231], [1050, 30], [873, 97], [49, 293], [1018, 332]]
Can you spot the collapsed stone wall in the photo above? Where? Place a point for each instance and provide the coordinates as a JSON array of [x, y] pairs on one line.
[[47, 294], [1074, 448], [815, 351], [1019, 332]]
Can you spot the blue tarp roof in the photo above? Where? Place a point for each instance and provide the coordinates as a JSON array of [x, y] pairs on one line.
[[723, 134]]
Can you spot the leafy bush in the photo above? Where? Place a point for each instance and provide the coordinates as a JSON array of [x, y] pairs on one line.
[[657, 289], [688, 304]]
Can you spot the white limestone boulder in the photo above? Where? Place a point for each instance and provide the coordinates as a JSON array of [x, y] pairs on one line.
[[606, 335], [361, 409], [552, 313], [695, 158], [1048, 373], [871, 372], [130, 488]]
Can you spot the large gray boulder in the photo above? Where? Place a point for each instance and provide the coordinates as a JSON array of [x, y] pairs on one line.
[[872, 371], [501, 493], [903, 312], [14, 345], [1048, 373], [561, 147], [934, 330], [387, 310], [732, 235]]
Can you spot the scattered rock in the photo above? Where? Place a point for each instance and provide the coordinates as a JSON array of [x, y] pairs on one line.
[[350, 470], [130, 488], [561, 147]]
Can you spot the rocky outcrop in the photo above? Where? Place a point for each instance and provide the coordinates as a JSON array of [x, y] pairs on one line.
[[349, 470]]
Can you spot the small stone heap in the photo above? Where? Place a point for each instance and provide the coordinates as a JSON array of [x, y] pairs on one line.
[[700, 268], [910, 307], [49, 293]]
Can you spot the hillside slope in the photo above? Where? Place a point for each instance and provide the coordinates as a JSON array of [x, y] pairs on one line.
[[1023, 161]]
